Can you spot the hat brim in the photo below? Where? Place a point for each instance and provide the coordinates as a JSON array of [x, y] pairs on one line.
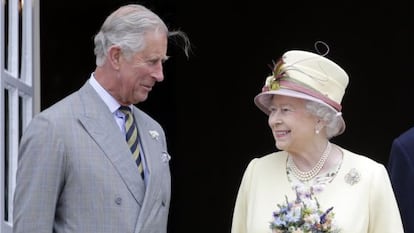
[[263, 101]]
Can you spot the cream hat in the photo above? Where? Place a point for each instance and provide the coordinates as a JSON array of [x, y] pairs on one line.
[[308, 76]]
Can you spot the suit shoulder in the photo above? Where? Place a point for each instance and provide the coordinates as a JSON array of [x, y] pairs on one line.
[[60, 109], [406, 137]]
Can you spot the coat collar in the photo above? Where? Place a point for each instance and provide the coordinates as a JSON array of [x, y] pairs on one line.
[[100, 124]]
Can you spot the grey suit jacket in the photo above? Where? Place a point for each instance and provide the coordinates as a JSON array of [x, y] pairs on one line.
[[76, 174]]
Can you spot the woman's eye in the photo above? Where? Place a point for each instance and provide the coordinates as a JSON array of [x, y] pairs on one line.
[[272, 109]]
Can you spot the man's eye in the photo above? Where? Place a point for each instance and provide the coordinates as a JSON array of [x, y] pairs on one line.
[[153, 62]]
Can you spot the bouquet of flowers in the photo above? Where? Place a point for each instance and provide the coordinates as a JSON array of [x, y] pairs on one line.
[[303, 216]]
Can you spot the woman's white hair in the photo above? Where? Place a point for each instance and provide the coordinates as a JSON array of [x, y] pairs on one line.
[[328, 115]]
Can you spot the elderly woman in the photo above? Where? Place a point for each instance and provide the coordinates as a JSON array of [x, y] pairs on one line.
[[311, 184]]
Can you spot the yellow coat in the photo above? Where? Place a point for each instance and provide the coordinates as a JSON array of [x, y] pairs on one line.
[[368, 206]]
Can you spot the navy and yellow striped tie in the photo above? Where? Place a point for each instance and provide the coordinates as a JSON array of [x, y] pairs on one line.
[[131, 132]]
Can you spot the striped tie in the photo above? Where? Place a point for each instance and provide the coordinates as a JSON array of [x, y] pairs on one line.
[[132, 137]]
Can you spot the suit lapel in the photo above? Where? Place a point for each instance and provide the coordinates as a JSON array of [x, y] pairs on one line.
[[100, 124], [152, 148]]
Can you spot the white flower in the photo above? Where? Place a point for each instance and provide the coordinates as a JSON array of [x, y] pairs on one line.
[[165, 157], [154, 134]]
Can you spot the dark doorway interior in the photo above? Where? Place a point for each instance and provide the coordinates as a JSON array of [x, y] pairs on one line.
[[206, 103]]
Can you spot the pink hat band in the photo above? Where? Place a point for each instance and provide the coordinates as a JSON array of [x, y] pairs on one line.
[[297, 87]]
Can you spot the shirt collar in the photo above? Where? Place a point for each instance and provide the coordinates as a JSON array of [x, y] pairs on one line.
[[109, 100]]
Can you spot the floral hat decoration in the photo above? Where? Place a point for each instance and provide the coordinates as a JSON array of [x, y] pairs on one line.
[[305, 75]]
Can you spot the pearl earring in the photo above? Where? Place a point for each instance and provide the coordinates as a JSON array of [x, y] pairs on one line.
[[317, 131]]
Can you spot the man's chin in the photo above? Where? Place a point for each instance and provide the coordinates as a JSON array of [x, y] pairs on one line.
[[141, 98]]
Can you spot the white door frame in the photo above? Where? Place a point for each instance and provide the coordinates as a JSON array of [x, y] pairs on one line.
[[19, 90]]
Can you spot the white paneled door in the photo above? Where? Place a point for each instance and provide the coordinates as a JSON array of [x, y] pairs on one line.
[[19, 90]]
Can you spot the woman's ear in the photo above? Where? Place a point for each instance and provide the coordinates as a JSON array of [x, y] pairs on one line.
[[319, 126]]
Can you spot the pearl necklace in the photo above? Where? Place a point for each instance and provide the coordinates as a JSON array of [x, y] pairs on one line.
[[308, 175]]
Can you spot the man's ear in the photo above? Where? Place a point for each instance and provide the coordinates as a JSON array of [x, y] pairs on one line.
[[114, 56]]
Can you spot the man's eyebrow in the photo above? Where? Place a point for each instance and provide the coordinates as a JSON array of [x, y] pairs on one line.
[[165, 58]]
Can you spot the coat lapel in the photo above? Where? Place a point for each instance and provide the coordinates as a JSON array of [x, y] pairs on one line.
[[100, 124], [152, 147]]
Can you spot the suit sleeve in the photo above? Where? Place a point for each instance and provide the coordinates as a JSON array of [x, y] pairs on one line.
[[401, 170], [39, 178]]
